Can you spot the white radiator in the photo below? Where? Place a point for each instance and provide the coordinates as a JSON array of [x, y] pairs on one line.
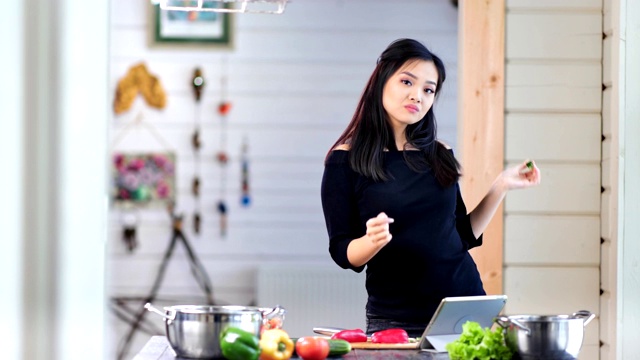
[[313, 296]]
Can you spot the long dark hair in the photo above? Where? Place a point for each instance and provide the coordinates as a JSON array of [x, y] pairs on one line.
[[369, 132]]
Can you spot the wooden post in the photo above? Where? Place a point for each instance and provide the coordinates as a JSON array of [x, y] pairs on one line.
[[481, 121]]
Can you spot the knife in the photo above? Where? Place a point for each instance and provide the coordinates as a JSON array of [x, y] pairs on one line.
[[329, 330], [326, 330]]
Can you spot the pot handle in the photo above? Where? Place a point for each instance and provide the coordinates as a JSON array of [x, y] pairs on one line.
[[276, 311], [153, 309], [584, 314], [504, 322]]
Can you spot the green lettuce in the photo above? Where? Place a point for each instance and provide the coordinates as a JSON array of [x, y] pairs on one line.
[[476, 343]]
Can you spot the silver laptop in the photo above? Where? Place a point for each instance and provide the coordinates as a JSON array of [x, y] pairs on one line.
[[446, 324]]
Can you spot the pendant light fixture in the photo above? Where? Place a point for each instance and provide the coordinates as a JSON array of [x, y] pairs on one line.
[[225, 6]]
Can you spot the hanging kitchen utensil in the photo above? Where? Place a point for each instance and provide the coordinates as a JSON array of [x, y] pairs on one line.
[[196, 223], [222, 211], [245, 198], [223, 158], [129, 220], [196, 143], [197, 83], [195, 187]]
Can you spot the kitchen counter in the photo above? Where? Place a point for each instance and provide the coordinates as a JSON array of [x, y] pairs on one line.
[[158, 348]]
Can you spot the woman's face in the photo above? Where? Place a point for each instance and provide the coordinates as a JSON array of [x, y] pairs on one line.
[[409, 93]]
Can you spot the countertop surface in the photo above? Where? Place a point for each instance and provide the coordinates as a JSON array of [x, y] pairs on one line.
[[158, 348]]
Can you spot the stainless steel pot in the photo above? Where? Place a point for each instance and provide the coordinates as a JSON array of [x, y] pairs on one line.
[[193, 331], [556, 337]]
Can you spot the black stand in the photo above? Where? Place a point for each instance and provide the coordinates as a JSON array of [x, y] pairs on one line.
[[136, 318]]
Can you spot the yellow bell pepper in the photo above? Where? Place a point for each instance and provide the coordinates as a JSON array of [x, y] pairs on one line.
[[275, 344]]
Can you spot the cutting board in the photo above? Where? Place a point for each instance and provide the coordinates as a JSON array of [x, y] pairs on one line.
[[328, 331], [373, 346]]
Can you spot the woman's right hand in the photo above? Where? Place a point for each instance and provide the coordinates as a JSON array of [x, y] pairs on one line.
[[362, 249], [378, 230]]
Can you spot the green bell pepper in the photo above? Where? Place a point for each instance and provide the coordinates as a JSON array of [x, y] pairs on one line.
[[238, 344]]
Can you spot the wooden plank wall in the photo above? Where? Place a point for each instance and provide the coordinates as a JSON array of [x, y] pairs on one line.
[[481, 123], [294, 81], [553, 115]]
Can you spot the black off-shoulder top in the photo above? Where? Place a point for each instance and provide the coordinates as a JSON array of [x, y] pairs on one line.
[[427, 258]]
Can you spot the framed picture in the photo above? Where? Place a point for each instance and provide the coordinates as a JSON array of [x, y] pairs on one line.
[[143, 178], [204, 28]]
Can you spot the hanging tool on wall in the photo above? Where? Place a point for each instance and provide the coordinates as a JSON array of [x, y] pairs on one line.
[[198, 85], [129, 221], [245, 198], [223, 110]]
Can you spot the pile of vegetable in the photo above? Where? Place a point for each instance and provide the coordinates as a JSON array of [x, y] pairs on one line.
[[476, 343], [318, 348], [275, 344]]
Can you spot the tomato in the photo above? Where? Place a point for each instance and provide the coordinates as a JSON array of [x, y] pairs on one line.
[[275, 323], [312, 348]]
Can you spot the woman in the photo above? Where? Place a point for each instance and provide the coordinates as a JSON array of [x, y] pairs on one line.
[[391, 198]]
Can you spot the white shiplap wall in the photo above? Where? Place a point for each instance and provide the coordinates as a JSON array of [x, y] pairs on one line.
[[553, 105], [294, 81], [619, 297], [610, 165]]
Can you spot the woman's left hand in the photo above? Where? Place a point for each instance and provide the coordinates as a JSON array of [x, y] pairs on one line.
[[520, 176], [516, 177]]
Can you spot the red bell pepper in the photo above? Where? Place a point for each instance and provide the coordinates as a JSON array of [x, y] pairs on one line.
[[352, 335], [390, 336]]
